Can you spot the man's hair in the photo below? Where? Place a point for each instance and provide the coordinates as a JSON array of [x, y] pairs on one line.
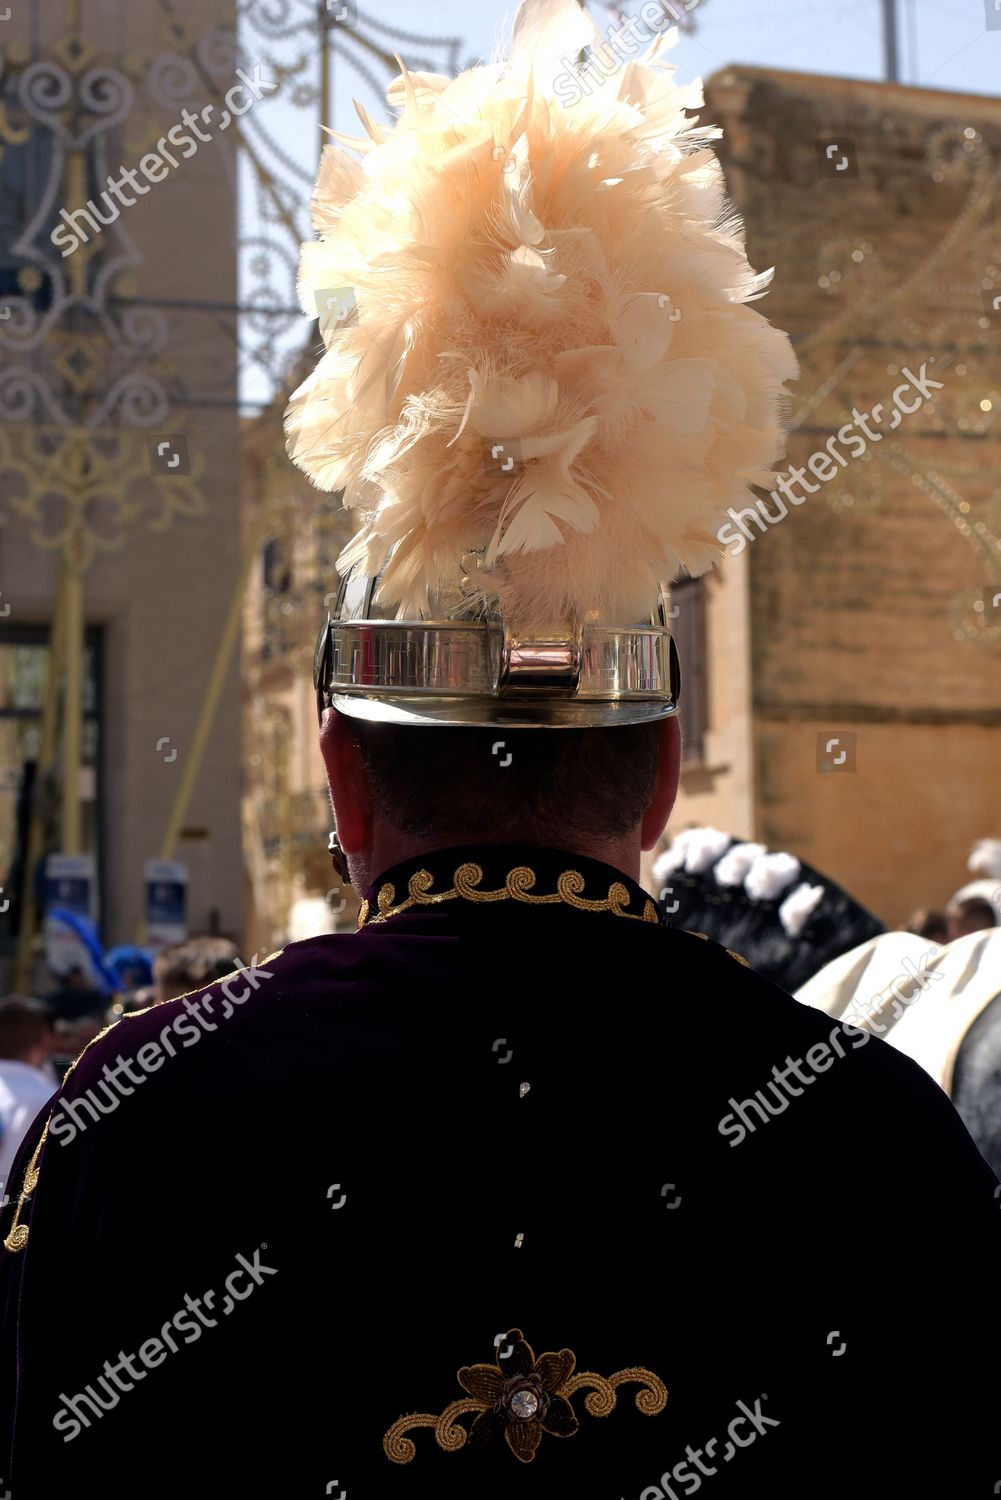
[[24, 1024], [194, 964], [928, 923], [510, 785], [975, 910]]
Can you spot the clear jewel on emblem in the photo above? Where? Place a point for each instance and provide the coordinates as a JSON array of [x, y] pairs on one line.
[[523, 1089], [524, 1404]]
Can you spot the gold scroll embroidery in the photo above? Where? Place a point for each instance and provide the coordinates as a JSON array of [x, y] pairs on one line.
[[518, 886]]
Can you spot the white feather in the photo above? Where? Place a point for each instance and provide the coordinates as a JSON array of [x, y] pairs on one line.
[[799, 906], [770, 875], [673, 858], [704, 849], [516, 266], [985, 858], [736, 862]]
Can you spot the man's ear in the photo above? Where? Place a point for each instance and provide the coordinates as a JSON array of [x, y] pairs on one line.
[[666, 786], [347, 781]]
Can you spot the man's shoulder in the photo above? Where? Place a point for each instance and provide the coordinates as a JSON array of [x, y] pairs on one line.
[[740, 1012], [729, 994], [682, 987]]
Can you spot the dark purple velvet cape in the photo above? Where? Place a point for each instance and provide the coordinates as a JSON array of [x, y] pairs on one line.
[[358, 1116]]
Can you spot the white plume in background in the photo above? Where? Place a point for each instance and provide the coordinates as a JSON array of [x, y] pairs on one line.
[[518, 269], [673, 858], [770, 875], [799, 906], [985, 858], [693, 849], [736, 862], [704, 849]]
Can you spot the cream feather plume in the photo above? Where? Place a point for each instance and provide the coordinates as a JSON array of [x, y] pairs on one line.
[[519, 265]]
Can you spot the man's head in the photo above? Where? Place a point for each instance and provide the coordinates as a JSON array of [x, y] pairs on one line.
[[972, 914], [401, 790], [25, 1030], [192, 965], [930, 924]]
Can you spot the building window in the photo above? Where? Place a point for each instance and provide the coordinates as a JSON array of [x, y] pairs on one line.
[[24, 171], [689, 629]]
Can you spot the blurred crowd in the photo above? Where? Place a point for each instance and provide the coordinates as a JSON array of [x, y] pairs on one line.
[[960, 918]]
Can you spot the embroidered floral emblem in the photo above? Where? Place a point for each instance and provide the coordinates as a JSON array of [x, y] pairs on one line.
[[520, 1399], [526, 1403]]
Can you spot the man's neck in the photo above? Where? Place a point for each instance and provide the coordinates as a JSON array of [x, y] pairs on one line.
[[387, 848]]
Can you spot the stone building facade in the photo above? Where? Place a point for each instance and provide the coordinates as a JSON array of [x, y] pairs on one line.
[[867, 617]]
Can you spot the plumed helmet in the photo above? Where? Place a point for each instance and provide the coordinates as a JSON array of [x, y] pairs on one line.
[[542, 384]]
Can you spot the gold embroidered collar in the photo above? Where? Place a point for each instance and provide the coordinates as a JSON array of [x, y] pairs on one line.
[[447, 876]]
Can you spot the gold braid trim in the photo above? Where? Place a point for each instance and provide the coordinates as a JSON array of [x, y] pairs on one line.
[[738, 956], [652, 1398], [601, 1401], [400, 1449], [448, 1431], [18, 1237], [517, 887]]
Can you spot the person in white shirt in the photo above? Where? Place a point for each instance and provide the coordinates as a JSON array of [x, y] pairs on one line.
[[26, 1079]]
